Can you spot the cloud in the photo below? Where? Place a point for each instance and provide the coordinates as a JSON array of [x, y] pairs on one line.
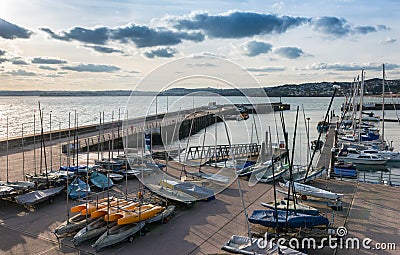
[[351, 66], [48, 61], [266, 69], [49, 68], [160, 53], [340, 27], [389, 40], [103, 49], [54, 35], [2, 52], [141, 36], [21, 72], [18, 61], [289, 52], [255, 48], [11, 31], [92, 68], [200, 65], [54, 75], [236, 24]]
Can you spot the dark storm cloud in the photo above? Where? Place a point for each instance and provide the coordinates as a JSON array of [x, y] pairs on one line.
[[254, 48], [160, 53], [2, 52], [103, 49], [12, 31], [92, 68], [48, 61], [237, 24], [289, 52]]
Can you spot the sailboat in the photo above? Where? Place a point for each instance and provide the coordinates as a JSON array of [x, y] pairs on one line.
[[291, 206], [77, 189], [308, 190], [289, 219], [101, 181], [248, 246]]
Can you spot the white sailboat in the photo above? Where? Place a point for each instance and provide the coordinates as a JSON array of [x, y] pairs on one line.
[[308, 190]]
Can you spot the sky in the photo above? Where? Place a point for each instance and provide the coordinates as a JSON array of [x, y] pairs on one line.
[[111, 45]]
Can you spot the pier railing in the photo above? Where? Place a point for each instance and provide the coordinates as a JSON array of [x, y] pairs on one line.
[[223, 152]]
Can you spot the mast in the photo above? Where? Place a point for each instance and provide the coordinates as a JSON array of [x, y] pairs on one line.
[[354, 124], [7, 149], [361, 102], [383, 104], [68, 161], [23, 151], [320, 133], [34, 140], [240, 189], [274, 183]]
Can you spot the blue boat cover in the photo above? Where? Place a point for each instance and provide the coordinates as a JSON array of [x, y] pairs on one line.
[[294, 220], [77, 189], [101, 181]]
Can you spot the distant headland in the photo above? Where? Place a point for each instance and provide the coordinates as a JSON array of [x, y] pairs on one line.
[[373, 87]]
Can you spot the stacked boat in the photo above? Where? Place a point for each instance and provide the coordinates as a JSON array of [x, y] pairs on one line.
[[111, 220]]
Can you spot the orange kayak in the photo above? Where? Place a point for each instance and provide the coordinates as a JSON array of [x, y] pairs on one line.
[[104, 209], [114, 214], [79, 208], [135, 216]]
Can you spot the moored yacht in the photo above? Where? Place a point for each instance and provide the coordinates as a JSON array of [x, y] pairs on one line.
[[351, 155]]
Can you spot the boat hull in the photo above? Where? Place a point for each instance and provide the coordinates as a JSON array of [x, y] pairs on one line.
[[117, 234]]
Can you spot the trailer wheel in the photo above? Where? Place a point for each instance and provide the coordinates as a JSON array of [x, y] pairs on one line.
[[303, 197], [165, 220], [131, 239]]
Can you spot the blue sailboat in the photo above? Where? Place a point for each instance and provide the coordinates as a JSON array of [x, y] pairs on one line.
[[77, 189], [101, 181], [267, 218]]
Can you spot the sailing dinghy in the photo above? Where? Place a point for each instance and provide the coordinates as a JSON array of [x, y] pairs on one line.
[[308, 190], [272, 218]]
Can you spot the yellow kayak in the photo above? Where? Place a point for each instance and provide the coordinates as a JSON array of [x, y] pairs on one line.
[[79, 208], [116, 213], [135, 216], [104, 210]]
